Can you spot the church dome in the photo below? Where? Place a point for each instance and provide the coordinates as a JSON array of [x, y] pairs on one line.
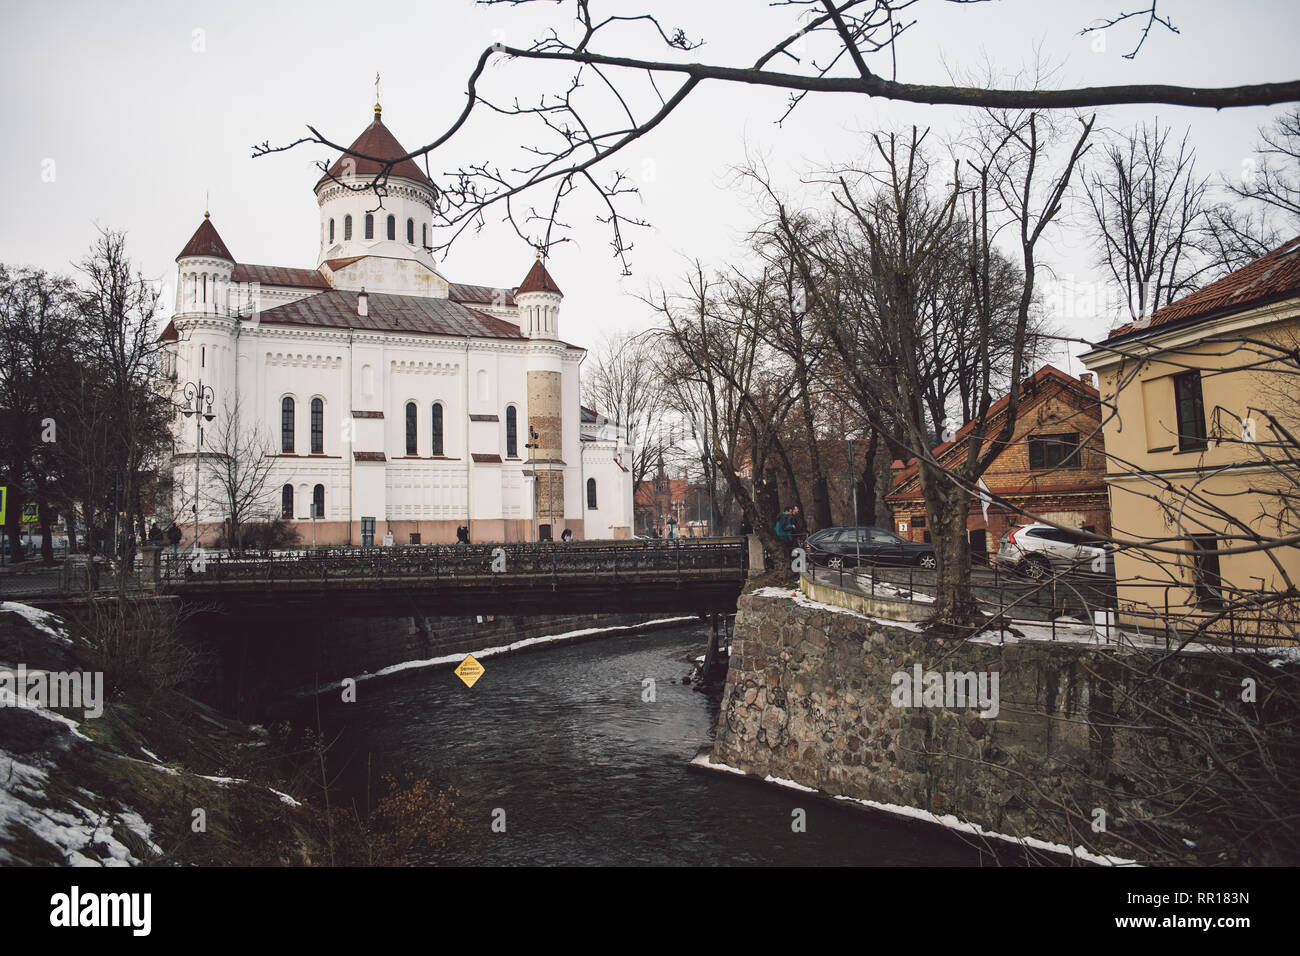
[[375, 141], [206, 243]]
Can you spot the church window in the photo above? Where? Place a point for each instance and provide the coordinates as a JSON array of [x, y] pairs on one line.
[[437, 428], [317, 426], [347, 226], [370, 226], [205, 287], [591, 492], [318, 501], [286, 501], [392, 228], [331, 230], [410, 232], [286, 425], [512, 432], [424, 234], [411, 444]]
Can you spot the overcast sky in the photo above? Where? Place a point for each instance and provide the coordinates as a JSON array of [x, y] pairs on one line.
[[136, 111]]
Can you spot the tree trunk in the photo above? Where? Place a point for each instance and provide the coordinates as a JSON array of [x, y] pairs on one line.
[[948, 507], [821, 508]]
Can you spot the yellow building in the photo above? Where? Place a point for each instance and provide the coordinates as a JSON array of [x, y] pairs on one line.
[[1201, 417]]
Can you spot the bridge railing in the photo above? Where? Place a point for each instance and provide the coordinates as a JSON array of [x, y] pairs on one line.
[[519, 560]]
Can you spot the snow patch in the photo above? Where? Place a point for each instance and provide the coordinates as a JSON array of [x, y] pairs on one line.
[[44, 621], [947, 820], [284, 797]]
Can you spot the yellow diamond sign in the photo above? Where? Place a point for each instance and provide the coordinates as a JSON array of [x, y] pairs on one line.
[[469, 670]]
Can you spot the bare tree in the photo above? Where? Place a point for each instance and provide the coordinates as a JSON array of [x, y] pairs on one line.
[[242, 458], [617, 94], [624, 384], [1148, 204]]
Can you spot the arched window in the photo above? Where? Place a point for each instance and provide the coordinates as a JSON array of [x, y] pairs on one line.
[[331, 230], [286, 425], [392, 227], [347, 227], [424, 234], [411, 445], [286, 501], [437, 428], [317, 426], [591, 492], [512, 432], [370, 226], [410, 232], [318, 501]]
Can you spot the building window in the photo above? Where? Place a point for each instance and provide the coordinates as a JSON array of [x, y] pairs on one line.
[[424, 234], [318, 501], [1054, 451], [591, 492], [347, 227], [286, 501], [1191, 411], [331, 230], [411, 442], [317, 426], [286, 426], [437, 428], [410, 232], [370, 226], [392, 228], [512, 432], [1205, 570]]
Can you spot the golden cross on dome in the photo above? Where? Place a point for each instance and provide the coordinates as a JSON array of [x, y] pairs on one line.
[[376, 92]]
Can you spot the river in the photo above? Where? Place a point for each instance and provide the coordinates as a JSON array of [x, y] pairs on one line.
[[587, 772]]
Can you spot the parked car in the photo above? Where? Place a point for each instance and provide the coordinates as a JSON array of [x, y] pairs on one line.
[[849, 547], [1037, 550]]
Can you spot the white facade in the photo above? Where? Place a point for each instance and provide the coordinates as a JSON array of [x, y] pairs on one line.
[[349, 346]]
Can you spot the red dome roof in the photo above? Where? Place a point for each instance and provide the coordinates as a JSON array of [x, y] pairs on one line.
[[378, 142], [538, 280], [206, 242]]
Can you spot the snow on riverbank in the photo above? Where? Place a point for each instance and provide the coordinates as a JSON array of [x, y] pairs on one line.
[[948, 821], [456, 658]]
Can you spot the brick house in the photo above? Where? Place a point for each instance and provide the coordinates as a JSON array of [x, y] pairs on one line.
[[1054, 467]]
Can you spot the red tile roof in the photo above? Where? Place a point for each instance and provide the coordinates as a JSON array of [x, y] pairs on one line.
[[279, 275], [538, 280], [375, 141], [206, 242], [1269, 278], [1028, 387], [403, 314], [337, 264], [481, 458], [481, 294], [169, 334]]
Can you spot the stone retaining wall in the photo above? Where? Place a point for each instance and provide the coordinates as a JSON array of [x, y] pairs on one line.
[[810, 697]]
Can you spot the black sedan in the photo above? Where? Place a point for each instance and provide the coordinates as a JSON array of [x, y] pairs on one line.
[[849, 547]]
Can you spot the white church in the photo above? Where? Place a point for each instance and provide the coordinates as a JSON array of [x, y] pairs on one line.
[[399, 406]]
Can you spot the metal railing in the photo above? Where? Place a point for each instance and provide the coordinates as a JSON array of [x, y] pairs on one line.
[[681, 556]]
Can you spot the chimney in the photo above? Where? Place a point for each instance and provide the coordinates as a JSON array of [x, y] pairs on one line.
[[1084, 377], [362, 307]]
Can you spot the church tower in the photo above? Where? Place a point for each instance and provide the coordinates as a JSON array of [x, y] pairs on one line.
[[394, 227], [539, 298], [205, 319]]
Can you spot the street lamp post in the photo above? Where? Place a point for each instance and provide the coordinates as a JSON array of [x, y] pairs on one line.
[[197, 397], [532, 445]]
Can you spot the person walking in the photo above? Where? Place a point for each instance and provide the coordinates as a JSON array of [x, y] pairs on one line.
[[174, 537], [567, 536], [785, 527]]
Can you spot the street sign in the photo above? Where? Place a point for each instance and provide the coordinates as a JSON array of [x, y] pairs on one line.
[[31, 513], [469, 670]]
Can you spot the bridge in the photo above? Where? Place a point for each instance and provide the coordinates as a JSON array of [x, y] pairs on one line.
[[702, 576]]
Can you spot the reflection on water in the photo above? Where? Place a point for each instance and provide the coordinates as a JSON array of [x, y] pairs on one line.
[[587, 772]]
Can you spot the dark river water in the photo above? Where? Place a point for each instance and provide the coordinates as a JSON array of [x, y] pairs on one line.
[[588, 773]]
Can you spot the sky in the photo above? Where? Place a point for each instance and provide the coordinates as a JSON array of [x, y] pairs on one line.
[[139, 116]]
